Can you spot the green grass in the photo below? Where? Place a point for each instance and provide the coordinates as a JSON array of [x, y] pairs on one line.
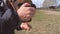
[[43, 24], [58, 9]]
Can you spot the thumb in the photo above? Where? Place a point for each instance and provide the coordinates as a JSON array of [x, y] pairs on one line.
[[26, 5]]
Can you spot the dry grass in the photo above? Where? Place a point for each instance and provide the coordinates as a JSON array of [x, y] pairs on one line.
[[43, 24]]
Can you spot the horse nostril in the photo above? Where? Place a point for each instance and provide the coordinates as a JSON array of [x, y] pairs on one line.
[[19, 4], [13, 0], [0, 2]]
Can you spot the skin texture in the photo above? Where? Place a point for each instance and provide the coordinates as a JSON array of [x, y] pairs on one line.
[[25, 26], [25, 13]]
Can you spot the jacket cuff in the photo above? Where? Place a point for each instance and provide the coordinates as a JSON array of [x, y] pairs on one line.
[[18, 27], [27, 21], [16, 17]]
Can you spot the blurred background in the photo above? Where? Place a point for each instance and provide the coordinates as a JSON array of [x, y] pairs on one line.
[[46, 3], [46, 19]]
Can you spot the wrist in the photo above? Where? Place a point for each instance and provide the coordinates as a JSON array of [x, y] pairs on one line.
[[26, 20]]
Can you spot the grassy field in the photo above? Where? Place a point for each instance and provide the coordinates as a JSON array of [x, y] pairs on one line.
[[43, 24]]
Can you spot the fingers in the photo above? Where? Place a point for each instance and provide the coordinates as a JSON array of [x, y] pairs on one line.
[[30, 11], [25, 13], [25, 26]]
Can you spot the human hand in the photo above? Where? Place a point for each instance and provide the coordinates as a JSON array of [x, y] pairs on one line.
[[25, 26], [26, 12]]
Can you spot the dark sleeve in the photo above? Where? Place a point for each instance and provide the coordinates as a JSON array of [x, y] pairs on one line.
[[5, 16], [1, 20], [9, 14], [15, 15]]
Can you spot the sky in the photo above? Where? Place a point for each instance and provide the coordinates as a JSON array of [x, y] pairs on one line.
[[58, 2], [39, 3]]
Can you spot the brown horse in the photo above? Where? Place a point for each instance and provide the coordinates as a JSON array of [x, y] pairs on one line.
[[17, 3]]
